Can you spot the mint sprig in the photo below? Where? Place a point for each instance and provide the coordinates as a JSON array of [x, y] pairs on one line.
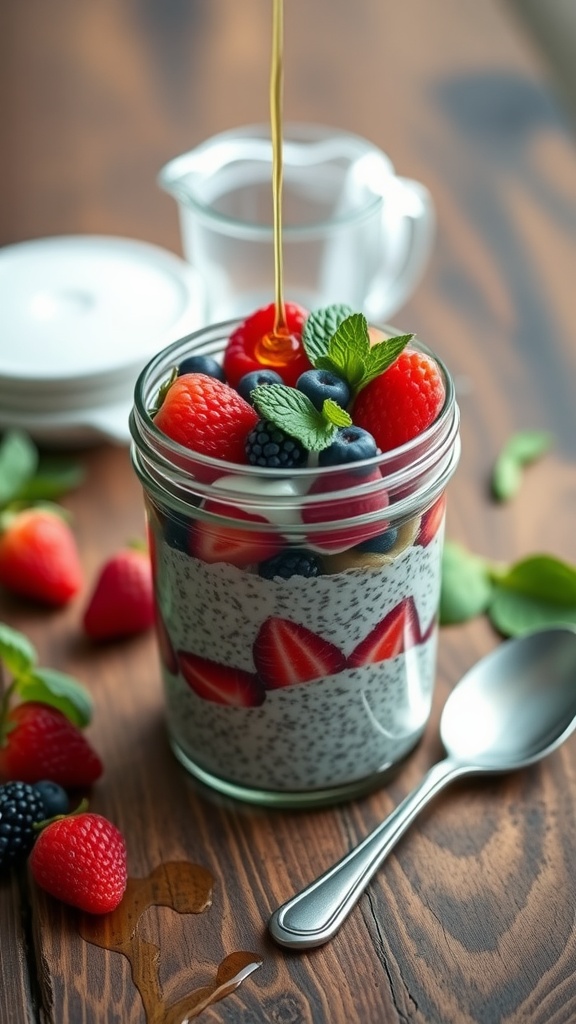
[[536, 591], [348, 352], [293, 412], [31, 682]]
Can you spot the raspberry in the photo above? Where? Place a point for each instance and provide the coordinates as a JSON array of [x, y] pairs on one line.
[[21, 807], [269, 446], [245, 353], [207, 416], [402, 402]]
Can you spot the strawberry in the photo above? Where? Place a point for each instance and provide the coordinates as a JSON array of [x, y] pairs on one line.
[[167, 652], [252, 346], [207, 416], [81, 860], [402, 402], [213, 543], [431, 522], [38, 556], [286, 653], [220, 684], [396, 633], [41, 743], [122, 599], [345, 508]]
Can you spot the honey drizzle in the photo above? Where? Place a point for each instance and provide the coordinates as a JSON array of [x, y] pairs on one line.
[[187, 889]]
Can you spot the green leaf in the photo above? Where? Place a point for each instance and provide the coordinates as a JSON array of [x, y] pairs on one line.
[[348, 350], [334, 413], [16, 651], [293, 412], [60, 691], [53, 479], [520, 450], [382, 355], [320, 328], [18, 462], [538, 591], [466, 587]]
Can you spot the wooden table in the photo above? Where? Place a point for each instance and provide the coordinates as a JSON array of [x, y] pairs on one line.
[[472, 918]]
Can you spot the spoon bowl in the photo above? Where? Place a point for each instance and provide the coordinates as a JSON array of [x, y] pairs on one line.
[[511, 709]]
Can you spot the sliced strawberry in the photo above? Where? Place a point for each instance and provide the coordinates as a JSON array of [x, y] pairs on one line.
[[395, 634], [348, 507], [221, 684], [431, 522], [167, 652], [286, 653], [213, 543]]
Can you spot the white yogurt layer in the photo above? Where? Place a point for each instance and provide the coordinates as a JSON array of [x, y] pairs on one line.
[[312, 735]]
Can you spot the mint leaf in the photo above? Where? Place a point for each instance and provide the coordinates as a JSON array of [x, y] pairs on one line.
[[60, 691], [53, 478], [16, 651], [520, 450], [18, 461], [466, 587], [538, 591], [335, 414], [348, 350], [293, 412], [382, 355], [320, 327]]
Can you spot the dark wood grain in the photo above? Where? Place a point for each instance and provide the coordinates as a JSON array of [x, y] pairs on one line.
[[472, 919]]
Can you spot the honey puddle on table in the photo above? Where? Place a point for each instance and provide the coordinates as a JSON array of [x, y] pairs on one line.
[[187, 889]]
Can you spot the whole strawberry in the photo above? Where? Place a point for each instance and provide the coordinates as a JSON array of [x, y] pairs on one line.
[[41, 743], [253, 346], [81, 860], [402, 402], [207, 416], [38, 556], [122, 601]]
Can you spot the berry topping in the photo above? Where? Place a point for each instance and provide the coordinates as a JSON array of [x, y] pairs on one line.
[[380, 544], [362, 504], [269, 446], [21, 807], [402, 402], [202, 364], [221, 684], [292, 562], [350, 444], [212, 542], [286, 653], [81, 860], [122, 601], [54, 798], [41, 743], [38, 556], [207, 416], [322, 384], [256, 379], [254, 345]]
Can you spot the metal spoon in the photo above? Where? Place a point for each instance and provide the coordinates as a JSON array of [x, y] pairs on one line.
[[513, 708]]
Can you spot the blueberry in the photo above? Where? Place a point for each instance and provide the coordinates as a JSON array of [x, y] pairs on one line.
[[294, 562], [54, 798], [380, 544], [270, 447], [321, 384], [350, 444], [202, 364], [254, 379]]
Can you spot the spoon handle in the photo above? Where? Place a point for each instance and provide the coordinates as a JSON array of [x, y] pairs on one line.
[[315, 914]]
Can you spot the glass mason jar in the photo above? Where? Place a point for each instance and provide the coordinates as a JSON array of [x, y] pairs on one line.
[[309, 689]]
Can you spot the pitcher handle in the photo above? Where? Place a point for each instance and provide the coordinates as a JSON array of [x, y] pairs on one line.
[[409, 223]]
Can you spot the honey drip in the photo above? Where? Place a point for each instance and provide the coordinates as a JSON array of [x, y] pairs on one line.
[[187, 889], [280, 346]]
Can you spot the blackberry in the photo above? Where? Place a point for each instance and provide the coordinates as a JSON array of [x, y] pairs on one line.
[[269, 446], [296, 562], [21, 806]]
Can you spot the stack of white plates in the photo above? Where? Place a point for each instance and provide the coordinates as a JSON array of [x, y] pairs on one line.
[[79, 318]]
